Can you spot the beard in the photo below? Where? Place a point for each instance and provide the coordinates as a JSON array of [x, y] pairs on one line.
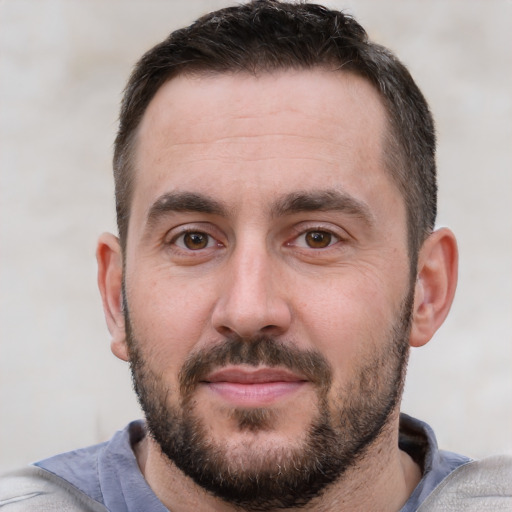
[[339, 435]]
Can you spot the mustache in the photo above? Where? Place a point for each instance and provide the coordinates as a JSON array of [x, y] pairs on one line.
[[254, 351]]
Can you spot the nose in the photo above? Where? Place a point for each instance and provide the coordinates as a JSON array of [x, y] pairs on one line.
[[253, 294]]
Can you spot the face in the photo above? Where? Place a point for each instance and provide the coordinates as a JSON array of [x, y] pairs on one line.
[[266, 280]]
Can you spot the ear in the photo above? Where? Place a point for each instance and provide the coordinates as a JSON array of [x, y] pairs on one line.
[[435, 285], [110, 282]]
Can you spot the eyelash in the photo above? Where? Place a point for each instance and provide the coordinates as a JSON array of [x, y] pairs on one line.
[[326, 236], [298, 240], [209, 243]]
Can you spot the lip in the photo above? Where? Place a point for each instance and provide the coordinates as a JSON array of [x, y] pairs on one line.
[[253, 387]]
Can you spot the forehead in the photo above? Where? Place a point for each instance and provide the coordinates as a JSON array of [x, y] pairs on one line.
[[325, 99], [271, 133]]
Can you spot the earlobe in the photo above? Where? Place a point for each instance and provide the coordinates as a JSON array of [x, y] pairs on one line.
[[110, 283], [435, 285]]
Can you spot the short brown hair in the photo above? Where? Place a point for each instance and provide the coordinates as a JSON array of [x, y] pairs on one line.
[[268, 35]]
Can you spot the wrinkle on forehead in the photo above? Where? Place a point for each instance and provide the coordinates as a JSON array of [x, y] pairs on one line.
[[225, 99], [282, 133]]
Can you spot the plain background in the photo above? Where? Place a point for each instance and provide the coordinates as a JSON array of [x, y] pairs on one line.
[[63, 64]]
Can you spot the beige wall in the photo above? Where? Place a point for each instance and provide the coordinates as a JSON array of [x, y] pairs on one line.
[[62, 68]]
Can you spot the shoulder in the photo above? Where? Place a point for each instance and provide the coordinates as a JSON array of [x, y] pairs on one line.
[[35, 489], [473, 487]]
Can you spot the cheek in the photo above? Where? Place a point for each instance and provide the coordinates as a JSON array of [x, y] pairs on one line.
[[346, 320], [168, 319]]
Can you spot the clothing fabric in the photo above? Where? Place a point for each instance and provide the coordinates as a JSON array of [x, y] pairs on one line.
[[106, 477]]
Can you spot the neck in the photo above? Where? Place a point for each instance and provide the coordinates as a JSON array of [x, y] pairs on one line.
[[381, 481]]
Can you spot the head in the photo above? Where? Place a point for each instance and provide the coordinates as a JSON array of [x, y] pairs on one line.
[[275, 185], [265, 36]]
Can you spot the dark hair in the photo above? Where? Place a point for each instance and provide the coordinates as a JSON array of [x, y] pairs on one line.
[[268, 35]]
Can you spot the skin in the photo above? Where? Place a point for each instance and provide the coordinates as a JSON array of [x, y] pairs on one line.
[[248, 143]]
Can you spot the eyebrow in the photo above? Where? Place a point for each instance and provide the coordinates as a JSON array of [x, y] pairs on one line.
[[295, 202], [323, 200], [183, 202]]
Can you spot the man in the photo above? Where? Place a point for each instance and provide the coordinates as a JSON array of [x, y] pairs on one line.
[[276, 200]]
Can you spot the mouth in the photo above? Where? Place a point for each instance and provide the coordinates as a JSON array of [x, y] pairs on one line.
[[253, 387]]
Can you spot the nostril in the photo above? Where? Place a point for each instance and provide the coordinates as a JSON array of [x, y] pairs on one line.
[[244, 313], [225, 331]]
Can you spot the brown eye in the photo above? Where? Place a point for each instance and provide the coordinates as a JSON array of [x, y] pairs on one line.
[[318, 239], [195, 240]]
